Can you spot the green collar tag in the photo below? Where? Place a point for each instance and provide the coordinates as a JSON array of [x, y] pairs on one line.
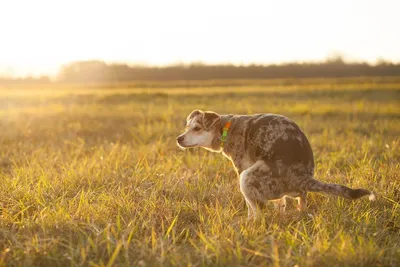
[[224, 135]]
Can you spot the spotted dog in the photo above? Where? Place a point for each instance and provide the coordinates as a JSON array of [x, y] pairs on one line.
[[270, 153]]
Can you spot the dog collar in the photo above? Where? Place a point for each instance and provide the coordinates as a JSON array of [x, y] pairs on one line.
[[224, 135]]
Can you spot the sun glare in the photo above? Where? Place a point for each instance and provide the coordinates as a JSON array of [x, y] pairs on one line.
[[38, 36]]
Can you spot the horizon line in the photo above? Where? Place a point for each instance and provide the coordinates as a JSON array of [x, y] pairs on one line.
[[328, 59]]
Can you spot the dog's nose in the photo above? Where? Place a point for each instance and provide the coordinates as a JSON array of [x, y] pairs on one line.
[[180, 139]]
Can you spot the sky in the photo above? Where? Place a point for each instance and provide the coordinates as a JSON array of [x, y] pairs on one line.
[[36, 37]]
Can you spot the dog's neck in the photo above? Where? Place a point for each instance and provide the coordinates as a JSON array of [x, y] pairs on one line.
[[224, 120], [233, 148], [217, 139]]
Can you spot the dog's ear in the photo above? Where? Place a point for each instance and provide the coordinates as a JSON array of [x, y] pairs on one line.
[[193, 114], [210, 118]]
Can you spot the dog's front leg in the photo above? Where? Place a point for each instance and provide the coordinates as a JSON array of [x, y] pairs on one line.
[[250, 212]]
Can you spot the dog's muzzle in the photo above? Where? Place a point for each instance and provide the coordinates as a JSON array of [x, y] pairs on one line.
[[180, 139]]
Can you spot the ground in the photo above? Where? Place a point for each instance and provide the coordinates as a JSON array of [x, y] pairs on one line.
[[91, 176]]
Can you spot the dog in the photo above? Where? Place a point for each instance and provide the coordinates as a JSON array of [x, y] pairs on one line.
[[269, 152]]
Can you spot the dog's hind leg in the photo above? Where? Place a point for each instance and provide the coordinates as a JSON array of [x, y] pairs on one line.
[[253, 187], [302, 202], [280, 205]]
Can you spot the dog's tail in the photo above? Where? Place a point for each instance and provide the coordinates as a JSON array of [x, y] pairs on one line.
[[338, 190]]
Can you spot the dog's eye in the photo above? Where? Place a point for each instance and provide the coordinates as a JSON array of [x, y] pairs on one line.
[[196, 129]]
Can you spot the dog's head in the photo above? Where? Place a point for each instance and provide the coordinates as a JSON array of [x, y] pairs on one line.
[[202, 128]]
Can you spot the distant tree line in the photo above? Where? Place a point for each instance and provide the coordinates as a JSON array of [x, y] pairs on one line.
[[98, 71], [101, 72], [25, 80]]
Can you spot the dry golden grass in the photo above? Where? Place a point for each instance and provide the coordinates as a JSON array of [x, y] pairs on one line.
[[91, 176]]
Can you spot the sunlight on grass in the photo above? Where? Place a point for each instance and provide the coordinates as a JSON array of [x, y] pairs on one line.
[[94, 177]]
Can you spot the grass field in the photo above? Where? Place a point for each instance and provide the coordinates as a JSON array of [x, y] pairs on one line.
[[91, 176]]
